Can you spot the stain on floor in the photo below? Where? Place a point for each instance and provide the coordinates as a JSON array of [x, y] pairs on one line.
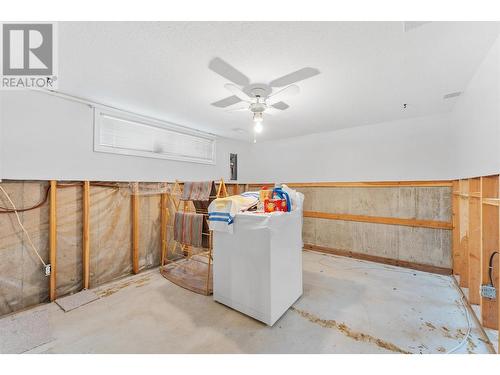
[[347, 331], [124, 284]]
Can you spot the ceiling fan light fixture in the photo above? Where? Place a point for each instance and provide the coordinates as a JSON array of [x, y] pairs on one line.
[[258, 117], [258, 127]]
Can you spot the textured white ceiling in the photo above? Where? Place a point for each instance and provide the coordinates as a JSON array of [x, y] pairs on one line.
[[368, 69]]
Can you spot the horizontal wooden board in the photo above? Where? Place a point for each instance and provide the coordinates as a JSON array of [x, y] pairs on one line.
[[381, 220], [378, 259], [491, 201], [437, 183]]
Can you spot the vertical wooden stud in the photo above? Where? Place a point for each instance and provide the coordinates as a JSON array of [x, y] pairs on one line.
[[163, 229], [475, 244], [456, 228], [490, 243], [464, 232], [86, 234], [135, 228], [53, 240], [497, 276]]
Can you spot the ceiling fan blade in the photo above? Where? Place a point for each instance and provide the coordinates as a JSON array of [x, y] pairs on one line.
[[226, 102], [271, 111], [296, 76], [283, 94], [237, 109], [280, 105], [227, 71], [238, 92]]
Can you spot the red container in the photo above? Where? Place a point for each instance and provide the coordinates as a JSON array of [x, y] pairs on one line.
[[272, 205]]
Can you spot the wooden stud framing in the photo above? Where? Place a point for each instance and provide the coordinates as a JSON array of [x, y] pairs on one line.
[[381, 220], [464, 232], [53, 240], [475, 224], [475, 245], [163, 229], [86, 234], [456, 229], [135, 228], [490, 243]]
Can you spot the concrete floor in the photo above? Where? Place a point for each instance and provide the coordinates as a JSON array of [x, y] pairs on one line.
[[348, 306], [491, 333]]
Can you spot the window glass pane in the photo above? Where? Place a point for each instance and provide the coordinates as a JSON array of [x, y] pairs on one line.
[[126, 136]]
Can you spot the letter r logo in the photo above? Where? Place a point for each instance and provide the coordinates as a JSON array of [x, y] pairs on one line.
[[27, 49]]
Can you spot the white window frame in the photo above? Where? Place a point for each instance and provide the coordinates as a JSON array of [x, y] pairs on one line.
[[99, 113]]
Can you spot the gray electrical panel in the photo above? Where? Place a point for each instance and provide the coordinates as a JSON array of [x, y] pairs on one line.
[[233, 166]]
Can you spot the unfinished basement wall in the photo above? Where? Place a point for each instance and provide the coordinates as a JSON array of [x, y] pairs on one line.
[[403, 225], [48, 137], [22, 280], [353, 221]]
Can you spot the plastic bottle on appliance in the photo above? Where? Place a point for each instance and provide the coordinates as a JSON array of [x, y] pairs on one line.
[[279, 193]]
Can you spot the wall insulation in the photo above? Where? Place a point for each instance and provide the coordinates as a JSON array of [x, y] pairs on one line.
[[111, 235], [22, 280], [69, 240], [419, 245]]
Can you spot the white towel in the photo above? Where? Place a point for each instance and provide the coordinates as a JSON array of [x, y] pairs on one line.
[[221, 211]]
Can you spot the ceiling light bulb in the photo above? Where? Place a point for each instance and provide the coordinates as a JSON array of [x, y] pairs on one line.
[[258, 127]]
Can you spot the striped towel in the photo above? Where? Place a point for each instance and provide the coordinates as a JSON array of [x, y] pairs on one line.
[[188, 227], [198, 191]]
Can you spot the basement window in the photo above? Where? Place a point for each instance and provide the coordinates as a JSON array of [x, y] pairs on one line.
[[119, 133]]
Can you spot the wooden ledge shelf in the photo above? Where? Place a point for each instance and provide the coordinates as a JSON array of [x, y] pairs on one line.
[[373, 184], [381, 220]]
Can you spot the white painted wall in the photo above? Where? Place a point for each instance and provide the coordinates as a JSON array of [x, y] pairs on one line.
[[411, 149], [475, 120], [460, 144], [47, 137]]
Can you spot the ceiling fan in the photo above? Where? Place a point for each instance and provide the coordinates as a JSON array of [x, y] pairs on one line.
[[258, 98]]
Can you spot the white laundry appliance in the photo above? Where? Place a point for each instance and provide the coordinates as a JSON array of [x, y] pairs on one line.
[[257, 269]]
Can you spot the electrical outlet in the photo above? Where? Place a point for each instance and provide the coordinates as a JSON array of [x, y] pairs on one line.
[[488, 291], [47, 270]]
